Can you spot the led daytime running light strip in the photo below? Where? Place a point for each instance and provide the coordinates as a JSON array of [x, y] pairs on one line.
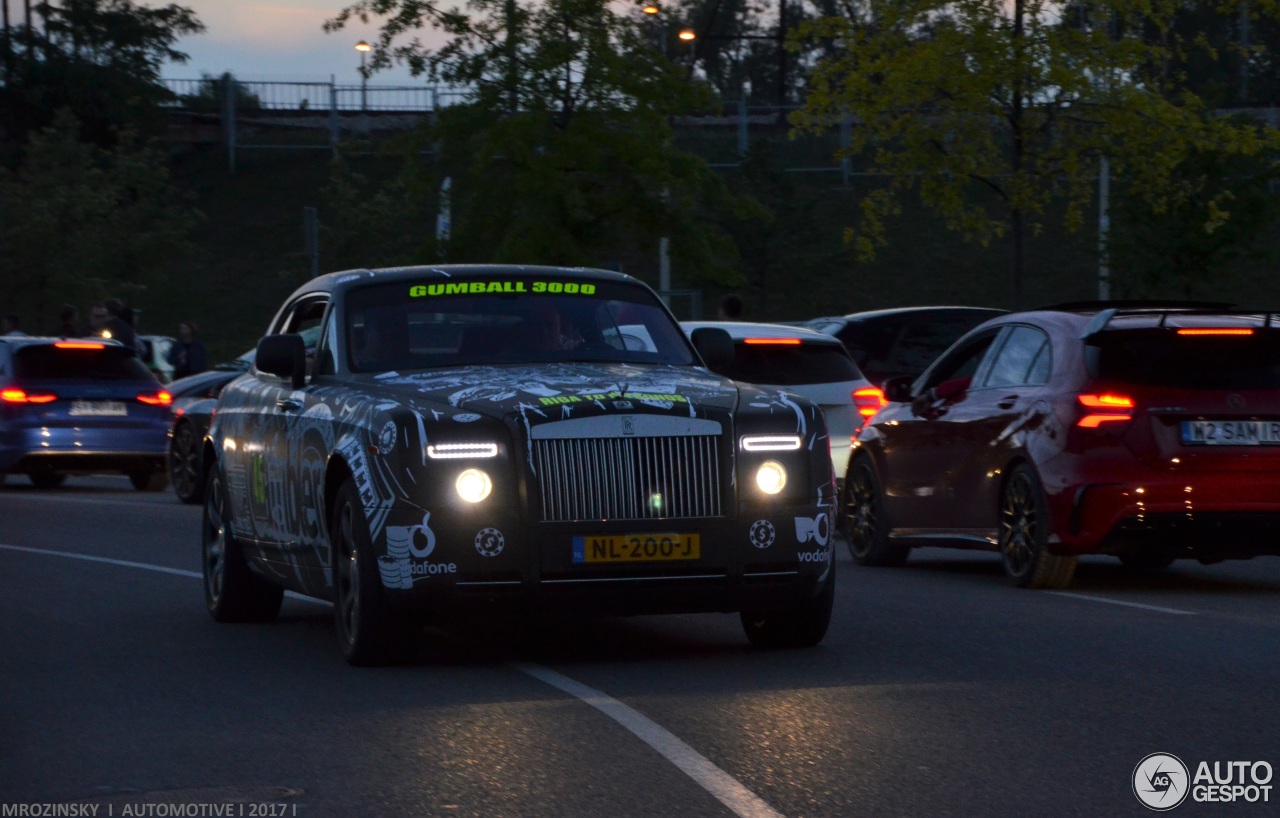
[[455, 451], [771, 443]]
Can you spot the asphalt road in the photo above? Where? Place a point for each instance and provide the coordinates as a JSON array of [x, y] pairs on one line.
[[939, 691]]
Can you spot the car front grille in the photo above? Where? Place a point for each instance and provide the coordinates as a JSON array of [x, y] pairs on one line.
[[628, 478]]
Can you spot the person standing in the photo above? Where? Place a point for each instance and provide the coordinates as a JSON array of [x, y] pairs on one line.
[[68, 322], [187, 355], [119, 325], [11, 325]]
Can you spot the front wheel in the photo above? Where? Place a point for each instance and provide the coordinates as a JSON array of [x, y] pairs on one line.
[[802, 627], [865, 522], [232, 592], [369, 632], [1024, 534]]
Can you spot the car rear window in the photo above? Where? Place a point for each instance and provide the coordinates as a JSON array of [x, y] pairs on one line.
[[46, 362], [1161, 357], [790, 365]]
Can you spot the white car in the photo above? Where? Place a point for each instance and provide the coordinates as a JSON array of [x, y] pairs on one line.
[[808, 363]]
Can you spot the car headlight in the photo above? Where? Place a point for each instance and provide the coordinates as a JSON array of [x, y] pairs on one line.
[[771, 443], [771, 477], [456, 451], [473, 485]]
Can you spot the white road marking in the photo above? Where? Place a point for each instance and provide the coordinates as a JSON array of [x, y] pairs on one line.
[[162, 569], [742, 801], [727, 789], [1126, 604]]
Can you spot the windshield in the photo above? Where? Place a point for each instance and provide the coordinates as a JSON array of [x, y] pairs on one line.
[[408, 325], [790, 364], [84, 362], [1162, 357]]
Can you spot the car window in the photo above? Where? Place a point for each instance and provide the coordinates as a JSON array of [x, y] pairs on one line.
[[789, 364], [1162, 357], [84, 361], [1018, 353], [417, 325], [960, 364], [927, 337], [871, 343]]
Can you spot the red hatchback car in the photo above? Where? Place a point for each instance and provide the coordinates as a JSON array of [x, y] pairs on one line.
[[1146, 433]]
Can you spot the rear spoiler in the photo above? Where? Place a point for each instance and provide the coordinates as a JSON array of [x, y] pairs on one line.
[[1103, 318]]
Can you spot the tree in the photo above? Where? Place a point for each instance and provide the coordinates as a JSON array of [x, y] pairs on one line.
[[79, 222], [99, 58], [564, 152], [991, 111]]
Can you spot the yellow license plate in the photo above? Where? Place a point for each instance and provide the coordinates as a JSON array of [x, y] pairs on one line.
[[602, 548]]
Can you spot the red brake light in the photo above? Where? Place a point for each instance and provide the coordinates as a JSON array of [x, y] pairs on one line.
[[1215, 331], [160, 398], [79, 345], [869, 399], [787, 341], [16, 395], [1106, 408]]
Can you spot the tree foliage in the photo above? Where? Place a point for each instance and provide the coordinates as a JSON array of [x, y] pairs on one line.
[[564, 152], [992, 111], [99, 58], [79, 222]]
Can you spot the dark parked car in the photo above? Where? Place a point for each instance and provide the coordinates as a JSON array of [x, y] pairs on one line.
[[490, 438], [1148, 434], [902, 341], [80, 407], [194, 398]]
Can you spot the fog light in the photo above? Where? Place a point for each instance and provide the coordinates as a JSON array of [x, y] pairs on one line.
[[474, 485], [771, 477]]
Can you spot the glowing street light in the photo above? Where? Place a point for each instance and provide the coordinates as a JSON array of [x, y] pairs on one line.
[[687, 34], [364, 48], [651, 8]]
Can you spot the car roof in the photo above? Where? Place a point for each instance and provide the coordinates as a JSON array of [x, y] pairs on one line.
[[892, 311], [740, 330], [330, 282]]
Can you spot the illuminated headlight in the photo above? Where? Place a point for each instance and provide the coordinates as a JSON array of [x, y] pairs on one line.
[[771, 477], [455, 451], [473, 485], [771, 443]]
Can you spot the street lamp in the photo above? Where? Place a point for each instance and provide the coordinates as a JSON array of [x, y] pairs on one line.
[[364, 48], [651, 8], [688, 35]]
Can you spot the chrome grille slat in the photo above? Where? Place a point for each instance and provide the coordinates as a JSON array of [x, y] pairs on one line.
[[613, 478]]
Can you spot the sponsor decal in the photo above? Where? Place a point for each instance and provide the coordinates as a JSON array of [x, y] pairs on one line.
[[483, 287], [817, 528], [815, 556], [1161, 782], [762, 533], [418, 541], [640, 396], [387, 437], [467, 417], [490, 542]]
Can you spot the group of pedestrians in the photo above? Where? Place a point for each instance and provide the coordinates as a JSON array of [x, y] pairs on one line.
[[115, 320]]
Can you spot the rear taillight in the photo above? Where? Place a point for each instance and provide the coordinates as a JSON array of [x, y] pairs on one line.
[[1105, 408], [16, 395], [160, 398], [868, 399]]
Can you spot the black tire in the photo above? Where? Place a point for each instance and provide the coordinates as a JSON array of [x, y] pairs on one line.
[[802, 627], [1146, 563], [865, 521], [185, 472], [148, 480], [1024, 534], [369, 632], [232, 592], [46, 480]]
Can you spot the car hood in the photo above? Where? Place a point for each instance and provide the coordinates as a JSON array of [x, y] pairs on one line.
[[561, 390]]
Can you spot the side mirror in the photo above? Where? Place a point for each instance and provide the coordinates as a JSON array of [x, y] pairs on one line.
[[284, 356], [714, 345], [898, 388]]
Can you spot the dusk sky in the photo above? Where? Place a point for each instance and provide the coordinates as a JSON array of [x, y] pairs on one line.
[[265, 40]]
